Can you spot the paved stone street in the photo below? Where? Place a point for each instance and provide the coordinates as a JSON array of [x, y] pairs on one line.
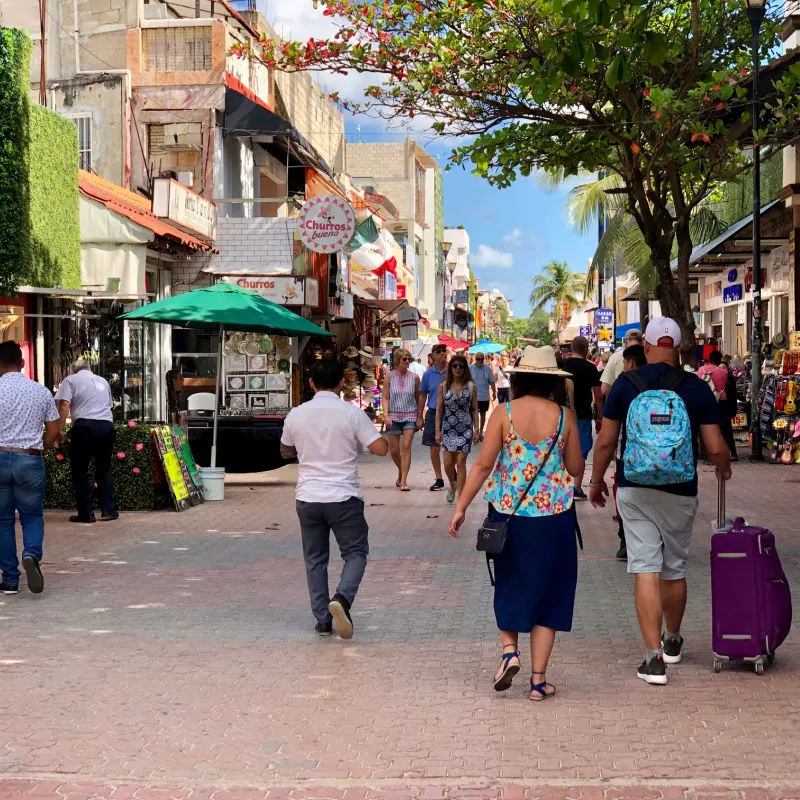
[[172, 657]]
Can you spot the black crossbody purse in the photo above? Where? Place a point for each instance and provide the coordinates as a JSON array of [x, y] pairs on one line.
[[492, 534]]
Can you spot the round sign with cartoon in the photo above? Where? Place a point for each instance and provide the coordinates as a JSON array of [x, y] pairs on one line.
[[327, 223]]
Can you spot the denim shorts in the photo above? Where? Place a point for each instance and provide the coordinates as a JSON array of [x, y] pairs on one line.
[[398, 426]]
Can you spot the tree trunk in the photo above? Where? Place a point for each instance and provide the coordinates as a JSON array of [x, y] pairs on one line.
[[672, 293], [644, 308]]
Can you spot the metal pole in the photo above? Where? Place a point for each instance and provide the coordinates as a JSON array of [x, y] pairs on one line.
[[756, 15], [216, 400]]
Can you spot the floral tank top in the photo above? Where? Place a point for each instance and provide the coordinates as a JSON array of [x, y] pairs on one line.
[[551, 492]]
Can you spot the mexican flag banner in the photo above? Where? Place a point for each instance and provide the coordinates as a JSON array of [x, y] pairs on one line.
[[371, 248]]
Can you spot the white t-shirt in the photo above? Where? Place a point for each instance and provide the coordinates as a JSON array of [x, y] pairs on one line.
[[417, 369], [327, 433]]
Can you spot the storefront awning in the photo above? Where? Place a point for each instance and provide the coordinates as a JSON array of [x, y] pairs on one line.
[[136, 208], [722, 252], [246, 117]]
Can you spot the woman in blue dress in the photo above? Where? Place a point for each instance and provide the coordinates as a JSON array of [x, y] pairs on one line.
[[532, 438], [456, 422]]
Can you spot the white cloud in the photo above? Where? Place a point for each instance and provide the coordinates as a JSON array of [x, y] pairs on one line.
[[487, 257], [298, 19], [513, 239]]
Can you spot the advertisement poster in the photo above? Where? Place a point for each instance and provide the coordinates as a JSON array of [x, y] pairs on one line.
[[604, 325]]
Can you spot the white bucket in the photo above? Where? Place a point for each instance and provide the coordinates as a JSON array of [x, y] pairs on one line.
[[213, 479]]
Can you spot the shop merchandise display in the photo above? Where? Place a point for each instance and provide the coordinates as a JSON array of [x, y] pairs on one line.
[[258, 374], [779, 405]]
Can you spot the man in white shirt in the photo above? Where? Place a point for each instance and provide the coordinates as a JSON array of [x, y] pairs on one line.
[[26, 408], [86, 399], [616, 363], [417, 368], [325, 435]]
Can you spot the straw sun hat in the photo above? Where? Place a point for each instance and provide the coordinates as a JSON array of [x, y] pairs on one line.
[[539, 361]]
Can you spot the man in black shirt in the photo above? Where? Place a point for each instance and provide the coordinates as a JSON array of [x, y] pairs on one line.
[[586, 382]]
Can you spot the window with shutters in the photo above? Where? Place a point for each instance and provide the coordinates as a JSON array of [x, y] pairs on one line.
[[83, 123], [177, 49]]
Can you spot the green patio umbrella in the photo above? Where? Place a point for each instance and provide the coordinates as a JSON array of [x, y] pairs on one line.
[[222, 307]]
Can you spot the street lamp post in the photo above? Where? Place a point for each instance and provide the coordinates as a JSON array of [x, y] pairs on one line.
[[451, 266], [755, 14]]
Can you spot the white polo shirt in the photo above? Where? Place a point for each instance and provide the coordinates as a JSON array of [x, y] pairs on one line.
[[88, 395], [327, 433]]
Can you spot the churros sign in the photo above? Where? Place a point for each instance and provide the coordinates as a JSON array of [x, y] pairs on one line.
[[327, 224]]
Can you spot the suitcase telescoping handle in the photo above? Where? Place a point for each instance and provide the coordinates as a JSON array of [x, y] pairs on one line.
[[721, 521]]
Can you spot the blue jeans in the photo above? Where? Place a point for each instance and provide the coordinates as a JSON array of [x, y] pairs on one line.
[[585, 435], [22, 481], [350, 529]]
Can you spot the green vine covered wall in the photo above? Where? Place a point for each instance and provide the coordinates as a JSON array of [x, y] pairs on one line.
[[39, 223]]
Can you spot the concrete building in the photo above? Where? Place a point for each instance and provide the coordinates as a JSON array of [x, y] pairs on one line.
[[411, 179], [457, 277]]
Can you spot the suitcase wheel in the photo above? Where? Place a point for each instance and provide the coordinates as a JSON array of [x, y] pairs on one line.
[[759, 669], [717, 665], [771, 659]]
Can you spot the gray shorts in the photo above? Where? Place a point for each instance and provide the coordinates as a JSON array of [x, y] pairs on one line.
[[658, 530]]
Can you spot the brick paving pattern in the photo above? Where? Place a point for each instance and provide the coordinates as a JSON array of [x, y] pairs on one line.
[[171, 657]]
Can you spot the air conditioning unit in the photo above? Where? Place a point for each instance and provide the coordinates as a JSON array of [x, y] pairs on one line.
[[155, 11]]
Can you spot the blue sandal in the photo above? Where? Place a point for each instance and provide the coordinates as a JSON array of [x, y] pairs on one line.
[[509, 671], [451, 496], [541, 689]]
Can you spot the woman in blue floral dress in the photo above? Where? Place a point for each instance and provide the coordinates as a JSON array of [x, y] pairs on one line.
[[456, 422], [532, 438]]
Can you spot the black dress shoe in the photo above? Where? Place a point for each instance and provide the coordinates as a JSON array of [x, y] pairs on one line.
[[109, 517], [34, 574], [324, 629], [342, 621], [83, 520]]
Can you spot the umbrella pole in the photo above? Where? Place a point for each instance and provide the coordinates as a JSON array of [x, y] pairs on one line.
[[216, 401]]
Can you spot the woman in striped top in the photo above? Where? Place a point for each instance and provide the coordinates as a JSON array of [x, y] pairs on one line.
[[400, 394]]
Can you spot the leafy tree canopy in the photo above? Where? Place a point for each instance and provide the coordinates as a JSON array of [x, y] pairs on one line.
[[653, 90]]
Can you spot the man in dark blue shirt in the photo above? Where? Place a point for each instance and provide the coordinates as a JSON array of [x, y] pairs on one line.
[[658, 519]]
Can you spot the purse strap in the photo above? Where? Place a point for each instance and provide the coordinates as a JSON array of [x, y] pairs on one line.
[[541, 463]]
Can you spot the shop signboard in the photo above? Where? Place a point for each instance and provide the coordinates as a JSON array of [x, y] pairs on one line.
[[732, 294], [604, 324], [285, 290], [401, 291], [461, 296], [187, 209], [387, 286], [327, 223], [585, 330]]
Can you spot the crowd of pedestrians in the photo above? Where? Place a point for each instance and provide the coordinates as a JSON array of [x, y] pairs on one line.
[[649, 416]]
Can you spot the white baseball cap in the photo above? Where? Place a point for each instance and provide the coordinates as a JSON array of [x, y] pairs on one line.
[[662, 328]]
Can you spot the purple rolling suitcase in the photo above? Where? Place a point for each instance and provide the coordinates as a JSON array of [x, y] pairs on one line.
[[751, 604]]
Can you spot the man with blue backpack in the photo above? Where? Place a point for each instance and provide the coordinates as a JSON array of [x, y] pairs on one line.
[[660, 410]]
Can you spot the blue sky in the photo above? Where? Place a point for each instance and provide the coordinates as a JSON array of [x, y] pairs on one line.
[[513, 232]]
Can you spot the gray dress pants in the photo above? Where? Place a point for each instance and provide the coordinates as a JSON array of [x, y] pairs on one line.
[[350, 528]]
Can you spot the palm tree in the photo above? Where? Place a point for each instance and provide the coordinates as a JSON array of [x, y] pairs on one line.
[[557, 284], [622, 247]]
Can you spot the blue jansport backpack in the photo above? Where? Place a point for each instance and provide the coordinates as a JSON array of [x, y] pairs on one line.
[[658, 447]]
